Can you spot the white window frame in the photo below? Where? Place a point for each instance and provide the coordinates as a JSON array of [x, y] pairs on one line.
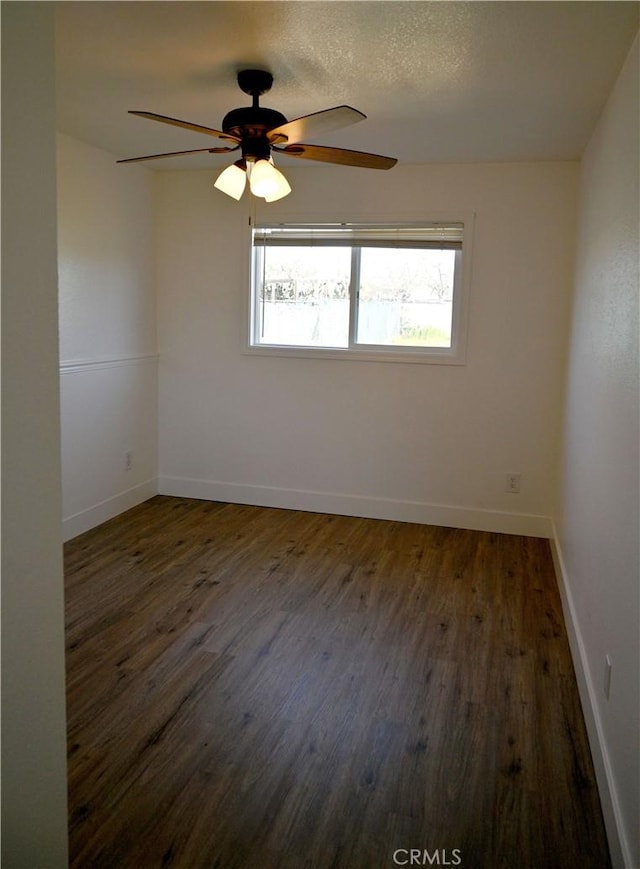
[[454, 355]]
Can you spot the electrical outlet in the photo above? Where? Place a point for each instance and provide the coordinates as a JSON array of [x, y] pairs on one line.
[[512, 483], [128, 460], [607, 675]]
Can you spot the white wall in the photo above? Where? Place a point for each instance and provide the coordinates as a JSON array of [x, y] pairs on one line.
[[597, 515], [34, 799], [107, 334], [420, 442]]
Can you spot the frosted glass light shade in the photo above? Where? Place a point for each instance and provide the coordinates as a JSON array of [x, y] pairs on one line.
[[283, 188], [232, 181], [264, 179]]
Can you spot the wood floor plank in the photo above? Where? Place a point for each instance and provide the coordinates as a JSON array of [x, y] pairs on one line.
[[250, 687]]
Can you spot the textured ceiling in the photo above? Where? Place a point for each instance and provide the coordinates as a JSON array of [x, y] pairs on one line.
[[439, 81]]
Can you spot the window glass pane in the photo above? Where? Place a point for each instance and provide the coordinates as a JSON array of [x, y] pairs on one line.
[[406, 297], [303, 296]]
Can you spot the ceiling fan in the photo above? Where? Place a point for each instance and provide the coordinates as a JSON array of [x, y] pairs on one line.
[[258, 132]]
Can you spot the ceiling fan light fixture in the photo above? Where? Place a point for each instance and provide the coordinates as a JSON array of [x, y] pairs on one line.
[[257, 130], [233, 179]]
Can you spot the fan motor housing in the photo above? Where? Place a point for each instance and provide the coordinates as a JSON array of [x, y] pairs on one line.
[[251, 121]]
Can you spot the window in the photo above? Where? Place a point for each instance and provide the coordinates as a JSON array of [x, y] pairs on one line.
[[359, 291]]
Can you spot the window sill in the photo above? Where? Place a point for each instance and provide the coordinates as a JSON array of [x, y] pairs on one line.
[[433, 356]]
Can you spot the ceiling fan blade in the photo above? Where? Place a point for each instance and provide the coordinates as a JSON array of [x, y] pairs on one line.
[[178, 154], [198, 128], [342, 156], [310, 126]]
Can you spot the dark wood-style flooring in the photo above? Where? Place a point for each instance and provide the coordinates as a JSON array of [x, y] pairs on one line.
[[251, 688]]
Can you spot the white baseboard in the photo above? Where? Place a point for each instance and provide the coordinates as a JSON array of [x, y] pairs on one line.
[[357, 505], [621, 857], [87, 519]]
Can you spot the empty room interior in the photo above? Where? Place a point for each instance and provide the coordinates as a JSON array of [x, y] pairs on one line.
[[320, 435]]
